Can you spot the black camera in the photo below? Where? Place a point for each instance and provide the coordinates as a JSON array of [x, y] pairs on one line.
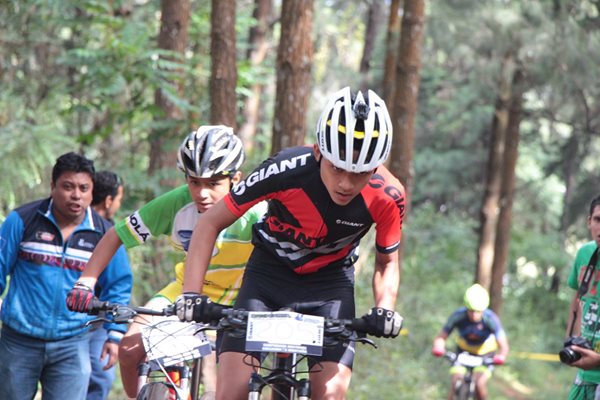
[[567, 354]]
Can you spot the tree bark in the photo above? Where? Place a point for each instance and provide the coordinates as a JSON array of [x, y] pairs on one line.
[[406, 96], [511, 152], [223, 71], [391, 47], [172, 36], [294, 63], [406, 99], [490, 208], [257, 50], [373, 23]]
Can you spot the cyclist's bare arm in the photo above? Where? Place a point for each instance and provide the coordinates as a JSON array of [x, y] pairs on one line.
[[103, 253], [386, 279], [200, 250], [439, 342], [502, 346]]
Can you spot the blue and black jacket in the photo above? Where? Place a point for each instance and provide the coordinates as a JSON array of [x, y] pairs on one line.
[[43, 268]]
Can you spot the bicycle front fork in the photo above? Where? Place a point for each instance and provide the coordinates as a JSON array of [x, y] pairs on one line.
[[281, 390]]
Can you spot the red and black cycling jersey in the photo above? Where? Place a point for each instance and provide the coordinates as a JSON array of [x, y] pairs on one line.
[[303, 228]]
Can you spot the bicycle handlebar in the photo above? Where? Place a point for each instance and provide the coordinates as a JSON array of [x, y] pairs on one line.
[[230, 319], [453, 357], [225, 318], [122, 313]]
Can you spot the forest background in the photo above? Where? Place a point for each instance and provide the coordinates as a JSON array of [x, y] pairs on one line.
[[496, 114]]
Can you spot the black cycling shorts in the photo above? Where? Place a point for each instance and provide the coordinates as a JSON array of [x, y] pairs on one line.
[[328, 292]]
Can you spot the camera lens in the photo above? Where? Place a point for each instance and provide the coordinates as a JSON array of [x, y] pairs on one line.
[[568, 355]]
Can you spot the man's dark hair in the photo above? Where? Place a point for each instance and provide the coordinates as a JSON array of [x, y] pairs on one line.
[[72, 162], [595, 202], [106, 184]]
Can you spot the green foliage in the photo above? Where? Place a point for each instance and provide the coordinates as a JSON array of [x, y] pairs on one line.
[[78, 75]]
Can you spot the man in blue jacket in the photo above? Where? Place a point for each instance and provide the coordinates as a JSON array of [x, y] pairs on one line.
[[44, 246]]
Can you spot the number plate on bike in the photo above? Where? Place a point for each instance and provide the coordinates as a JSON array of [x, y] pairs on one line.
[[285, 332], [171, 341], [469, 360]]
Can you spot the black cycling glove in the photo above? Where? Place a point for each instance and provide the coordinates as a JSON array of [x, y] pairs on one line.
[[383, 323]]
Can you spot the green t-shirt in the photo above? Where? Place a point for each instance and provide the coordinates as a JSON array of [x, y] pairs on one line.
[[590, 324], [175, 214]]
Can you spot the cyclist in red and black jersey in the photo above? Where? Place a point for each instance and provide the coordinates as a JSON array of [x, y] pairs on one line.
[[322, 201]]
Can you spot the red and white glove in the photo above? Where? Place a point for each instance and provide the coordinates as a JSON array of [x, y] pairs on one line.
[[437, 351], [80, 298], [499, 359]]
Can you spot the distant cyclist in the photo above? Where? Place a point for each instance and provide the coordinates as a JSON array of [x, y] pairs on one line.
[[322, 200], [210, 158], [480, 332]]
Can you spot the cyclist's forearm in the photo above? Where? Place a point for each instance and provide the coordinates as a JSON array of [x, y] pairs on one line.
[[386, 280], [503, 347], [440, 341], [202, 243], [197, 259], [103, 253]]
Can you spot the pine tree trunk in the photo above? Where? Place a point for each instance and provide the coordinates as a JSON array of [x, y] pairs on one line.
[[173, 36], [373, 23], [391, 46], [406, 96], [405, 99], [257, 50], [223, 71], [490, 208], [294, 63], [511, 152]]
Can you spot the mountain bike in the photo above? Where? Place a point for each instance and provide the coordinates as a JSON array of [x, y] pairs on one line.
[[174, 351], [289, 337], [464, 388]]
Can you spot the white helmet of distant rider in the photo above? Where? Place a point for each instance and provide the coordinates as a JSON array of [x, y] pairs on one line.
[[209, 151], [354, 131]]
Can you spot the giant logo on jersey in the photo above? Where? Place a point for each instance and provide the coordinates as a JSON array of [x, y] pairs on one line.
[[377, 181], [270, 170], [293, 233]]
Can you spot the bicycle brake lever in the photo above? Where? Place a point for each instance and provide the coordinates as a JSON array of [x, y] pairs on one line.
[[361, 337], [169, 310], [122, 315], [92, 321], [365, 340]]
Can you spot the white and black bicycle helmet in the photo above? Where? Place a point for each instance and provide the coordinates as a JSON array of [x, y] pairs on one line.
[[211, 150], [355, 131]]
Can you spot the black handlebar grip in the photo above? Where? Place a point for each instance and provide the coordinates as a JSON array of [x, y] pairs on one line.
[[359, 325], [214, 311], [98, 305]]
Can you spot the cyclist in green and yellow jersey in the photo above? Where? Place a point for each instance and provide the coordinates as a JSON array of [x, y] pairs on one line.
[[210, 158]]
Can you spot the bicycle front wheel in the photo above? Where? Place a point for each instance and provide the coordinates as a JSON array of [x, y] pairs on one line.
[[462, 391], [154, 391]]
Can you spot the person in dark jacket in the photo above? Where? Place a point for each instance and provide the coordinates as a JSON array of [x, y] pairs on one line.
[[106, 201], [44, 246]]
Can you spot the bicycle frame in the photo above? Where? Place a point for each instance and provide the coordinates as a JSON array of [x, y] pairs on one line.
[[464, 388], [282, 380]]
